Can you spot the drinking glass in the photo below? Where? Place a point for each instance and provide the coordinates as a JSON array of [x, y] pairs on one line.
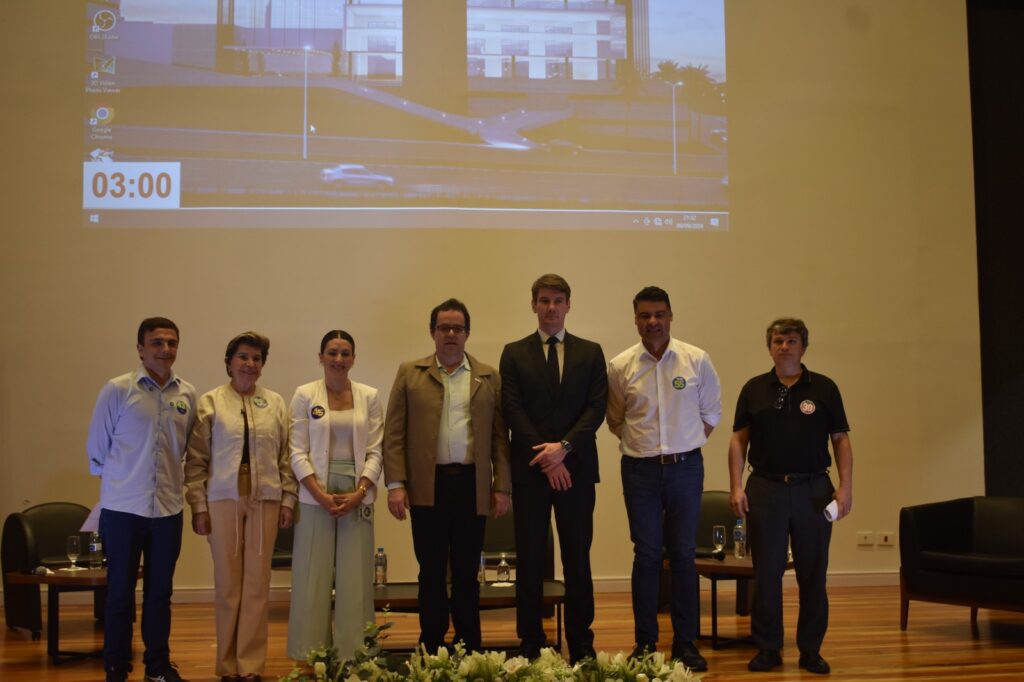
[[74, 550], [718, 537]]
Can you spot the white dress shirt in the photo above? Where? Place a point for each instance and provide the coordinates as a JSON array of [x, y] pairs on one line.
[[659, 407]]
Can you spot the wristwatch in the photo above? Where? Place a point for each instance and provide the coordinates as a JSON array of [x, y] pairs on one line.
[[567, 445]]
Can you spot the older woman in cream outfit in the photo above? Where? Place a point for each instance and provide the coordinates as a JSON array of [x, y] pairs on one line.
[[336, 433], [241, 491]]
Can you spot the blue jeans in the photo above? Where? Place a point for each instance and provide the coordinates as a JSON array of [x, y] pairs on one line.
[[663, 506], [126, 539]]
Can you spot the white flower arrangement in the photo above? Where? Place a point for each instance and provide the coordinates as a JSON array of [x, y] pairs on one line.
[[369, 663]]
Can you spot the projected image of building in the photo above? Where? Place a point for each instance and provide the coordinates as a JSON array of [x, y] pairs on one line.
[[538, 40]]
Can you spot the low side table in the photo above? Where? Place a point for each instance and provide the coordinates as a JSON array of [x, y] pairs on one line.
[[728, 568], [56, 583], [402, 598]]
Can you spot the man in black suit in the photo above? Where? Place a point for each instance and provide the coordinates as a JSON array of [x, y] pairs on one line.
[[554, 389]]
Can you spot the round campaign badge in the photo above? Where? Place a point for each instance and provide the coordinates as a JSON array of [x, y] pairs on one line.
[[678, 383], [259, 401], [181, 407], [317, 411], [808, 407]]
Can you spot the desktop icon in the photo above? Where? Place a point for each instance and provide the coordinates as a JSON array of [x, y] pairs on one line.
[[104, 64], [101, 115], [103, 21]]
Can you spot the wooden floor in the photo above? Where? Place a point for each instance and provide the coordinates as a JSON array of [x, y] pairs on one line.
[[864, 641]]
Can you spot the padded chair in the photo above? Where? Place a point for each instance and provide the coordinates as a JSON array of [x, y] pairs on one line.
[[968, 552], [38, 537], [714, 511], [282, 558], [500, 538]]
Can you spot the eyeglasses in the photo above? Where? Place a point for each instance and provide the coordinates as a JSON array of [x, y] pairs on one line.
[[447, 329], [780, 397]]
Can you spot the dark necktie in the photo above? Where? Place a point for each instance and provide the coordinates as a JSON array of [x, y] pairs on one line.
[[553, 360]]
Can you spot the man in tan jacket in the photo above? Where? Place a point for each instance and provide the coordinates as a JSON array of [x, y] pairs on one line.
[[446, 461]]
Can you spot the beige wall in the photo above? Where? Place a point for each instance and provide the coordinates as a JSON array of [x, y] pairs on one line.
[[851, 176]]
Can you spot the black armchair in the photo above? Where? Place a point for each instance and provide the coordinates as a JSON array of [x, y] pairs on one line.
[[282, 557], [38, 537], [714, 511], [968, 552]]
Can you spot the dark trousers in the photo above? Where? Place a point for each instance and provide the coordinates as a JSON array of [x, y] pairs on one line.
[[663, 505], [449, 533], [789, 511], [127, 538], [574, 518]]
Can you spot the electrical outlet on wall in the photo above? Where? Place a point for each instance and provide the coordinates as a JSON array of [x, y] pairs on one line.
[[886, 538], [866, 537]]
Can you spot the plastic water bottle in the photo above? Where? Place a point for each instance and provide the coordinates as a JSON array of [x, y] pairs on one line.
[[504, 571], [95, 551], [481, 573], [380, 567], [739, 539]]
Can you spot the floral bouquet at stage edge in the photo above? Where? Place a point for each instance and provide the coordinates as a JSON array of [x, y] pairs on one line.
[[369, 663]]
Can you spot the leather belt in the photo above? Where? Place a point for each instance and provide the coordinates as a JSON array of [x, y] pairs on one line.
[[791, 478], [454, 469], [673, 458]]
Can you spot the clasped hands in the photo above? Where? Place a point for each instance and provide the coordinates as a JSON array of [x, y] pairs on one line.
[[550, 458], [339, 504]]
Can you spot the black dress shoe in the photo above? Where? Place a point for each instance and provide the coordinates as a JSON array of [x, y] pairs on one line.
[[765, 660], [814, 663], [642, 650], [583, 652], [688, 654], [530, 652]]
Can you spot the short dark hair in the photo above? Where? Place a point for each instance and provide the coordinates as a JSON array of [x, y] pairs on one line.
[[153, 323], [551, 281], [337, 334], [254, 339], [787, 325], [652, 294], [450, 304]]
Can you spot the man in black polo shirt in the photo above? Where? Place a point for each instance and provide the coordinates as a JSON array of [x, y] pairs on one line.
[[785, 420]]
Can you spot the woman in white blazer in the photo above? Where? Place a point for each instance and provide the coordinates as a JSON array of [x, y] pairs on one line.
[[336, 430]]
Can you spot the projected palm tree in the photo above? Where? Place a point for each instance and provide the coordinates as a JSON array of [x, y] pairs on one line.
[[699, 91]]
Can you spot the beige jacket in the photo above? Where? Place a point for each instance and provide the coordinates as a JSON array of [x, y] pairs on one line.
[[215, 448], [413, 421]]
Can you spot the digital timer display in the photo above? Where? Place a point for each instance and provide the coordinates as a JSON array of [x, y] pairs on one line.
[[123, 184]]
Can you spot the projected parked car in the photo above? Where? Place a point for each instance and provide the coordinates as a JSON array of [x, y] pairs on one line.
[[356, 175]]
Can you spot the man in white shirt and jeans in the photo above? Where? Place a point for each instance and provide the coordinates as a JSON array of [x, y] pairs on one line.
[[664, 399], [136, 445]]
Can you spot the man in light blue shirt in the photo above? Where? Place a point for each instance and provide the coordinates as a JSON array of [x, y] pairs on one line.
[[136, 444]]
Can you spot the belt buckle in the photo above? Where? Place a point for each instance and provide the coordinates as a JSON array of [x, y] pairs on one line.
[[786, 479]]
